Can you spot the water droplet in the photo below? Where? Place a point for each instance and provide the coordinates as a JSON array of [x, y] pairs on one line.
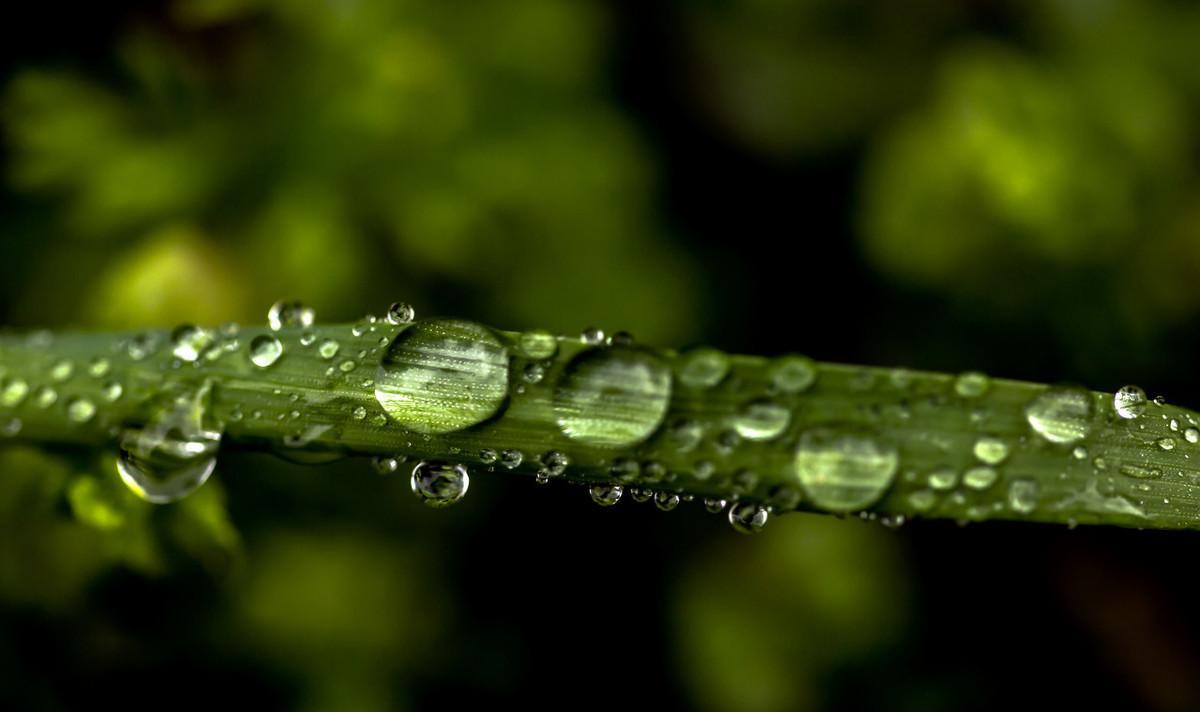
[[265, 350], [991, 450], [704, 470], [715, 505], [641, 495], [511, 459], [792, 374], [328, 349], [980, 478], [666, 501], [943, 478], [1129, 402], [1061, 415], [308, 338], [762, 420], [62, 371], [748, 517], [1166, 443], [440, 484], [1022, 496], [621, 338], [1080, 452], [80, 410], [1140, 472], [784, 499], [922, 500], [190, 342], [99, 367], [173, 454], [592, 336], [534, 373], [703, 368], [612, 397], [971, 384], [142, 346], [386, 465], [359, 413], [488, 456], [1192, 435], [45, 397], [347, 366], [443, 375], [401, 313], [555, 463], [685, 435], [538, 344], [843, 471], [14, 393], [625, 469], [607, 495], [283, 314]]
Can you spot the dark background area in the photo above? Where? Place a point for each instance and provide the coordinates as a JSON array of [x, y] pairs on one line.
[[1000, 186]]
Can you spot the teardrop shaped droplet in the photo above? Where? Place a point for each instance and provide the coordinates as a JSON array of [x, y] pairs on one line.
[[441, 376], [612, 397], [175, 453], [842, 471], [440, 484]]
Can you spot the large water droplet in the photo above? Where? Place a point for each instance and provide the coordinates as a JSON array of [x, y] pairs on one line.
[[440, 484], [1129, 402], [844, 471], [612, 397], [173, 454], [703, 368], [290, 314], [401, 313], [762, 420], [189, 342], [748, 517], [443, 375], [1061, 415], [265, 350]]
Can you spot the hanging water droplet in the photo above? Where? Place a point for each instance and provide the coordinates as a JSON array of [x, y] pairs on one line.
[[45, 397], [666, 501], [1129, 402], [641, 495], [328, 349], [1061, 414], [265, 350], [592, 336], [443, 375], [980, 478], [555, 463], [538, 344], [284, 314], [401, 313], [762, 420], [173, 454], [612, 397], [792, 374], [606, 495], [843, 471], [715, 505], [1022, 496], [440, 484], [190, 342], [703, 368], [971, 384], [15, 391], [748, 517], [511, 459], [991, 450], [386, 465], [62, 371], [80, 410]]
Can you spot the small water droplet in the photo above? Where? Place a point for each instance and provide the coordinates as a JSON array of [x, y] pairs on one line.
[[285, 314], [440, 484], [359, 413], [1080, 452], [922, 500], [99, 367], [538, 344], [762, 421], [45, 397], [265, 350], [792, 374], [190, 342], [511, 459], [14, 393], [1061, 414], [534, 373], [980, 478], [991, 450], [443, 375], [666, 501], [1166, 443], [592, 336], [62, 371], [1022, 496], [685, 435], [386, 465], [488, 456], [612, 397], [841, 471], [748, 517], [606, 495], [80, 410], [401, 313], [943, 478], [1140, 472], [621, 338], [715, 505], [641, 495], [142, 346], [1129, 402], [784, 498], [555, 463], [703, 368], [971, 384], [328, 349]]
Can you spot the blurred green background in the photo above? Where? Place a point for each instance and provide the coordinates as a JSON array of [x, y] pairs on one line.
[[1004, 185]]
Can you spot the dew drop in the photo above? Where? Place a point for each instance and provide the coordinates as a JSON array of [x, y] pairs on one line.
[[922, 500], [284, 314], [488, 456], [62, 371], [625, 469], [265, 350], [1140, 472], [612, 397], [971, 384], [1061, 415], [142, 346], [440, 376], [685, 435], [45, 397], [592, 336], [792, 374], [511, 459], [440, 484], [80, 410], [715, 505], [14, 392], [703, 368], [762, 420], [386, 465], [748, 517], [991, 450], [1022, 496], [641, 495], [534, 373], [538, 344], [1192, 435], [401, 313], [173, 454], [359, 413], [843, 471], [943, 478], [328, 349], [980, 478], [555, 463], [1129, 402], [607, 495], [99, 367], [1166, 443], [666, 501]]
